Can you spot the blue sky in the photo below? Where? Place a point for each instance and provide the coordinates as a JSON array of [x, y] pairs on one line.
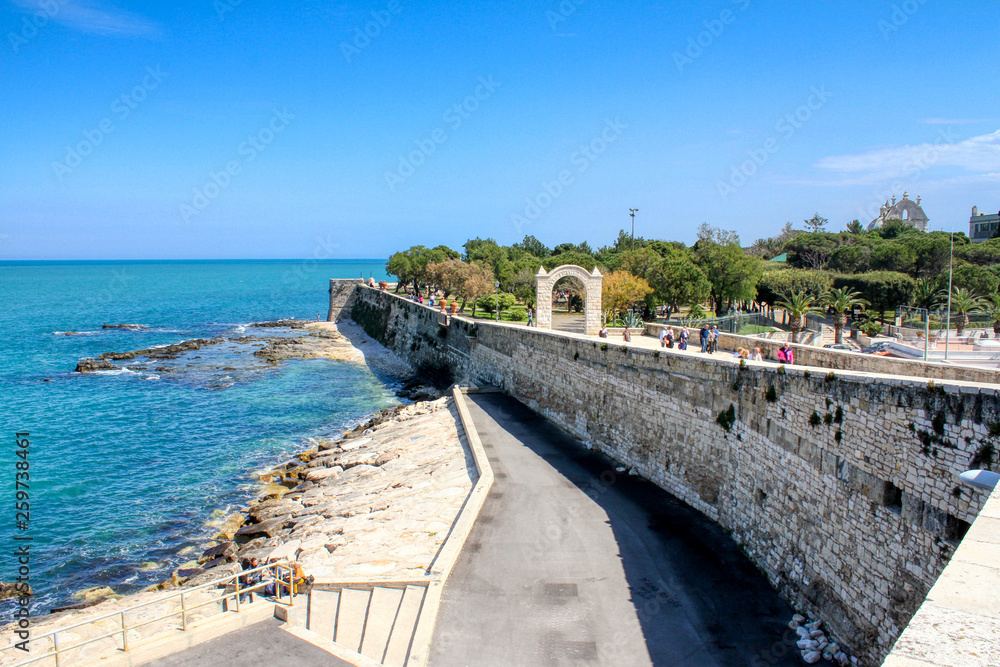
[[264, 130]]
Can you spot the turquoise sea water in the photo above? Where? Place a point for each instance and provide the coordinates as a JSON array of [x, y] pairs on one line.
[[125, 468]]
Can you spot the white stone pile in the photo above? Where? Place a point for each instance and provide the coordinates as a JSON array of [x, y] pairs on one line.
[[814, 645]]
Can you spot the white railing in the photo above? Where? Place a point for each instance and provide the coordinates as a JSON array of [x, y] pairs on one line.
[[282, 572]]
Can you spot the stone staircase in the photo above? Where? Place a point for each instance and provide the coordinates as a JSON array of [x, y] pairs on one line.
[[376, 621]]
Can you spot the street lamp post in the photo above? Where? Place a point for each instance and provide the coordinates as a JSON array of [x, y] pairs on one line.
[[947, 326], [496, 284], [632, 212]]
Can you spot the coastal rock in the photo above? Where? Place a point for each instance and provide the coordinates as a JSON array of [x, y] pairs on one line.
[[319, 474], [269, 528], [273, 509], [123, 326], [14, 590], [811, 657], [229, 527], [286, 323], [94, 594], [91, 365], [224, 550], [274, 490]]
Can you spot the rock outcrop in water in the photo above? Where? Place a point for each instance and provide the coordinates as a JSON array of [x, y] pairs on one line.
[[124, 326]]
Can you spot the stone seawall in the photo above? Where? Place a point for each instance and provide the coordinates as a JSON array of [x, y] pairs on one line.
[[840, 487]]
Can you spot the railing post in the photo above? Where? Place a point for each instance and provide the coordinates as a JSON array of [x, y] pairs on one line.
[[124, 633], [237, 594], [183, 613], [55, 645]]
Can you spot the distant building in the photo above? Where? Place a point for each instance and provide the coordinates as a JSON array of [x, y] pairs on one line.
[[982, 226], [905, 209]]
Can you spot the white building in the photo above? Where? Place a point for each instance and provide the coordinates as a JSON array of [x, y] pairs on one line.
[[982, 226]]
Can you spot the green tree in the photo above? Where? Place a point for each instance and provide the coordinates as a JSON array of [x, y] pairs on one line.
[[884, 290], [490, 253], [893, 257], [963, 304], [855, 227], [798, 305], [533, 246], [411, 265], [574, 257], [816, 224], [776, 283], [993, 308], [678, 282], [732, 274], [976, 279], [842, 301], [851, 258], [813, 250]]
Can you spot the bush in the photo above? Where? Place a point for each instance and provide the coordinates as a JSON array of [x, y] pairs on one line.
[[488, 303], [518, 315]]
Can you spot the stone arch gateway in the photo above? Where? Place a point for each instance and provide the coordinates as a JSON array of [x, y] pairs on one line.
[[546, 281]]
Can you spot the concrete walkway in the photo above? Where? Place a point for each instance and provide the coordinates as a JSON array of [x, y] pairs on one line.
[[263, 644], [572, 562]]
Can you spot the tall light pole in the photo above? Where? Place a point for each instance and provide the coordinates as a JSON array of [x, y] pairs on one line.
[[947, 326], [496, 284], [632, 212]]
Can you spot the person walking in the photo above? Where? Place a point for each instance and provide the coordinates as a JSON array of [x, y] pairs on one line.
[[704, 334], [627, 335], [713, 340], [663, 337], [788, 354], [683, 344], [531, 317], [756, 355]]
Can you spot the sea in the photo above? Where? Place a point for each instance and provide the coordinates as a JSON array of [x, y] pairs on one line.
[[129, 472]]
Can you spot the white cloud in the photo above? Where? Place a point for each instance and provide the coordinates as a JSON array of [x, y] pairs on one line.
[[89, 17], [958, 121], [977, 155]]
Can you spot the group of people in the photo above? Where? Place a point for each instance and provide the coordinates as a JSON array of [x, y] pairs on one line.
[[709, 337], [250, 582], [668, 338]]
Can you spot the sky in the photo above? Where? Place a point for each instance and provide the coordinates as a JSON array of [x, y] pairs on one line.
[[330, 130]]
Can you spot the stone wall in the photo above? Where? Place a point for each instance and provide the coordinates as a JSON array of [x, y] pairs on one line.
[[341, 298], [841, 489], [808, 355]]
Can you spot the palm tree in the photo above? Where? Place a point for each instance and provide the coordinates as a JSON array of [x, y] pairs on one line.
[[798, 304], [926, 293], [993, 308], [963, 304], [842, 301]]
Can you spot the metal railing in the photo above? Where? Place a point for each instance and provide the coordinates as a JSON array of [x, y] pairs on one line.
[[279, 569]]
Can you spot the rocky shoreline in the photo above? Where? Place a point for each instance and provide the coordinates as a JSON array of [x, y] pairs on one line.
[[334, 495]]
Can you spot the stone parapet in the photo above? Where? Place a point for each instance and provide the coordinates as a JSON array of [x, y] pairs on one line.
[[841, 488]]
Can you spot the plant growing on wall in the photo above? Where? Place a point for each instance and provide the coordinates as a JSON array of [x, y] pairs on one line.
[[727, 418]]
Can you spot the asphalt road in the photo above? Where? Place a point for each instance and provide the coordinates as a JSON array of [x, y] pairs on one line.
[[573, 563]]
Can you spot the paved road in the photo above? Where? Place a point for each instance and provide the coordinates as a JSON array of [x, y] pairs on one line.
[[572, 563], [262, 644]]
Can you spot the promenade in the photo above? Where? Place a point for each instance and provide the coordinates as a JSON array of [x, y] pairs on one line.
[[572, 560]]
